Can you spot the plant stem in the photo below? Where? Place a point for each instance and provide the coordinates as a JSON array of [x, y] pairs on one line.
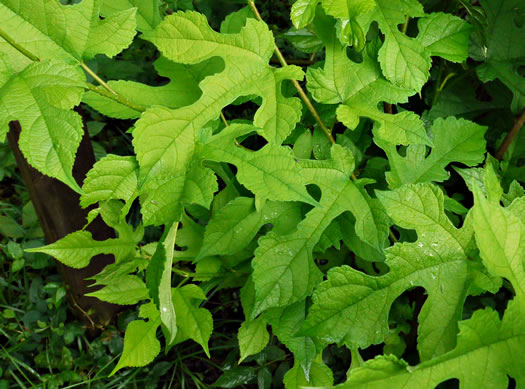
[[116, 97], [300, 62], [520, 120], [97, 78], [223, 118], [300, 90], [22, 50], [405, 25]]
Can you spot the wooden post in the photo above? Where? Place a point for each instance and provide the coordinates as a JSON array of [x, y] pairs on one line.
[[59, 212]]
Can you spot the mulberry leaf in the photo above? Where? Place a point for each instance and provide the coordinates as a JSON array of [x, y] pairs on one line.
[[455, 140], [360, 87], [70, 33], [284, 270], [51, 133], [352, 308]]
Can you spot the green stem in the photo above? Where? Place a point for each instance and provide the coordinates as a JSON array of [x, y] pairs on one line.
[[116, 97], [223, 118], [97, 78], [300, 90], [22, 50], [405, 25]]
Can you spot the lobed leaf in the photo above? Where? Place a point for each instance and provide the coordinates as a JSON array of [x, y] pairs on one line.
[[140, 341], [454, 140], [70, 33], [284, 270], [352, 308], [490, 347], [192, 322]]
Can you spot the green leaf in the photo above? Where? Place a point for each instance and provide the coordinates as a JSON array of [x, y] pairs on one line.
[[487, 352], [235, 225], [187, 38], [70, 33], [501, 48], [445, 35], [183, 89], [271, 173], [235, 376], [158, 281], [352, 308], [346, 9], [507, 73], [320, 375], [264, 378], [126, 290], [114, 271], [360, 87], [140, 341], [284, 270], [404, 61], [51, 133], [165, 139], [253, 337], [234, 22], [500, 236], [163, 191], [459, 99], [503, 32], [192, 322], [303, 12], [286, 323], [455, 140], [148, 15], [112, 178], [76, 249]]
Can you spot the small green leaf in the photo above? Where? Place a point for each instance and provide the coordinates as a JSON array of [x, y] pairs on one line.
[[500, 236], [193, 322], [158, 281], [148, 15], [112, 178], [320, 376], [445, 35], [455, 140], [270, 173], [126, 290], [76, 249], [235, 376], [286, 323], [253, 337], [140, 340], [303, 12]]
